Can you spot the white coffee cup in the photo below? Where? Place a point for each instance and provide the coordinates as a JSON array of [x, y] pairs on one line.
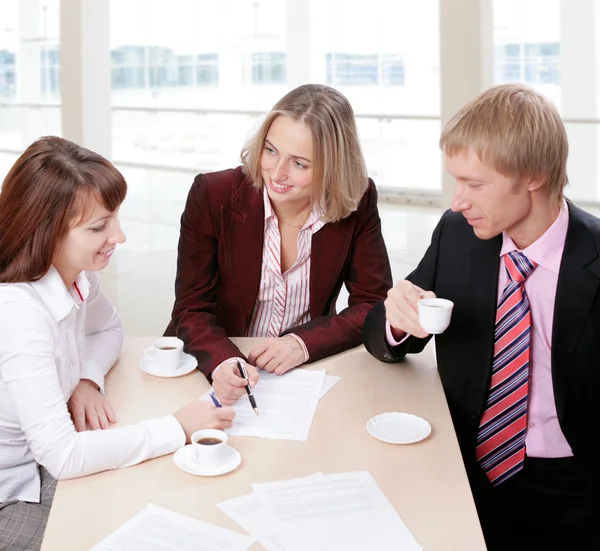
[[435, 314], [206, 451], [165, 354]]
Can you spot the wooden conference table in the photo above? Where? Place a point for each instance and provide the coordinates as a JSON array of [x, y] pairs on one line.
[[425, 482]]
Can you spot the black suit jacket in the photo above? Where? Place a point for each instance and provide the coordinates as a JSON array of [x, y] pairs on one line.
[[460, 267]]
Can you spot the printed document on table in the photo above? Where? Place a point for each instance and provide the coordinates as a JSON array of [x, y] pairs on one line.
[[286, 403], [343, 511], [257, 518], [158, 529], [329, 382]]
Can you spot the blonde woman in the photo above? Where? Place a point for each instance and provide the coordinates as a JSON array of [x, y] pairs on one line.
[[265, 248]]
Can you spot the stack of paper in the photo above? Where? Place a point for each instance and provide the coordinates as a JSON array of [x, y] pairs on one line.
[[287, 405], [158, 529], [322, 512]]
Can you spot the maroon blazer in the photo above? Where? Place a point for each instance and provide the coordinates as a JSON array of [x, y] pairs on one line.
[[219, 266]]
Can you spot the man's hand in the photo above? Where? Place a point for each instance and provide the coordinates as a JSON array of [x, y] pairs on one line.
[[277, 355], [401, 309], [89, 408]]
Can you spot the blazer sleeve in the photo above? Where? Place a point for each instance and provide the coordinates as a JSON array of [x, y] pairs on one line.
[[194, 319], [423, 276], [368, 278]]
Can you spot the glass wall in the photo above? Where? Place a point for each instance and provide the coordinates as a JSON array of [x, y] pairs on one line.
[[553, 46], [29, 72], [182, 68], [191, 80]]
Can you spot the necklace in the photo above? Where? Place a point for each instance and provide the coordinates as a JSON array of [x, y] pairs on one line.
[[293, 225], [298, 226]]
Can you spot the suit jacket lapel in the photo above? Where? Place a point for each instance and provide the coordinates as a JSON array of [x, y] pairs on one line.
[[329, 248], [577, 286], [483, 298], [243, 235]]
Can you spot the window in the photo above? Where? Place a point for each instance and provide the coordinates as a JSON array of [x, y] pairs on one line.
[[267, 68], [29, 31], [50, 71], [364, 69], [7, 74]]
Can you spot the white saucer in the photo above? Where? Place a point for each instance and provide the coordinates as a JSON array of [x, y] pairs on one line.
[[183, 458], [188, 364], [398, 428]]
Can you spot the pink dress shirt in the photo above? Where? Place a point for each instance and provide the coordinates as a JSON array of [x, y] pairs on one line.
[[544, 437]]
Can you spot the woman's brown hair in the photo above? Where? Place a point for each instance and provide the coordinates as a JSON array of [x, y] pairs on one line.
[[43, 195], [340, 175]]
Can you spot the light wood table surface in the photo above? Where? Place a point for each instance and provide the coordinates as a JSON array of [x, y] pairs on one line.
[[425, 482]]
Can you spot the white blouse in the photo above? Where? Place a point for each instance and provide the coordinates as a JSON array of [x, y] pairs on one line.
[[51, 337]]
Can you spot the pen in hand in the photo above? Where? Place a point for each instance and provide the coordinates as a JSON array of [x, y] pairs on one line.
[[244, 374], [213, 397]]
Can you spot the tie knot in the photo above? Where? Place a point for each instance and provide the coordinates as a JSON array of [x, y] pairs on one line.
[[518, 266]]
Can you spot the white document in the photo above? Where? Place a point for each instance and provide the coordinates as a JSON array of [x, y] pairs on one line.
[[346, 512], [329, 382], [286, 403], [257, 518], [158, 529]]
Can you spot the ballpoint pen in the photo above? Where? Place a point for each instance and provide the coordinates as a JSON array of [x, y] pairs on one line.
[[214, 399], [244, 374]]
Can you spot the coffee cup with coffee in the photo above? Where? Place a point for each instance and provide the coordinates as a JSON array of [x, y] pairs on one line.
[[209, 447], [435, 314], [165, 354]]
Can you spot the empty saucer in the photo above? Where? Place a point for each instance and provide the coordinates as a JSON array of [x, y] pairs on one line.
[[184, 459], [187, 365], [398, 428]]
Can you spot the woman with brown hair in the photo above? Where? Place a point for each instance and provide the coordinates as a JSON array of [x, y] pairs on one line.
[[59, 336], [265, 248]]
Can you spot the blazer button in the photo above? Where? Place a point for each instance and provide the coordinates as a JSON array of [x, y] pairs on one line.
[[387, 355]]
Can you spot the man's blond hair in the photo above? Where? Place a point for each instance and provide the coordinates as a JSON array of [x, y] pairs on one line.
[[514, 130], [339, 171]]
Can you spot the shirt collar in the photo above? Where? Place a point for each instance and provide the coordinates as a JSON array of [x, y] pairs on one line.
[[547, 250], [314, 220], [58, 299]]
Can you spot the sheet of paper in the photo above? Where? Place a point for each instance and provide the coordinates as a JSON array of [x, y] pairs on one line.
[[257, 518], [329, 382], [343, 511], [286, 403], [158, 529]]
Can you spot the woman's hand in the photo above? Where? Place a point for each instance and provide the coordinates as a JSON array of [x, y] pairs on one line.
[[203, 415], [89, 408], [277, 355], [229, 385]]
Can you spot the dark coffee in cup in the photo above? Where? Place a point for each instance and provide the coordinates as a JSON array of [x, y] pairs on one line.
[[209, 441], [167, 348]]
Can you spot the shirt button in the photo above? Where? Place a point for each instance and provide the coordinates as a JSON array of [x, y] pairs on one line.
[[532, 425]]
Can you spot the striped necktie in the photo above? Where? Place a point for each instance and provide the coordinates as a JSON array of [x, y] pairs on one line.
[[501, 439]]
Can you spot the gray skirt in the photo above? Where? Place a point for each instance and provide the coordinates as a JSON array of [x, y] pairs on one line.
[[22, 524]]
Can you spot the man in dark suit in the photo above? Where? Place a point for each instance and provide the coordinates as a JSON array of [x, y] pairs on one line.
[[519, 361]]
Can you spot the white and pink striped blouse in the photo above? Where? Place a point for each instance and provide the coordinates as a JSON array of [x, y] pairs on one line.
[[284, 298]]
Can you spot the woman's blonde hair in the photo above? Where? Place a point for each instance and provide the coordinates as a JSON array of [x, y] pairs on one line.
[[516, 131], [339, 173]]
